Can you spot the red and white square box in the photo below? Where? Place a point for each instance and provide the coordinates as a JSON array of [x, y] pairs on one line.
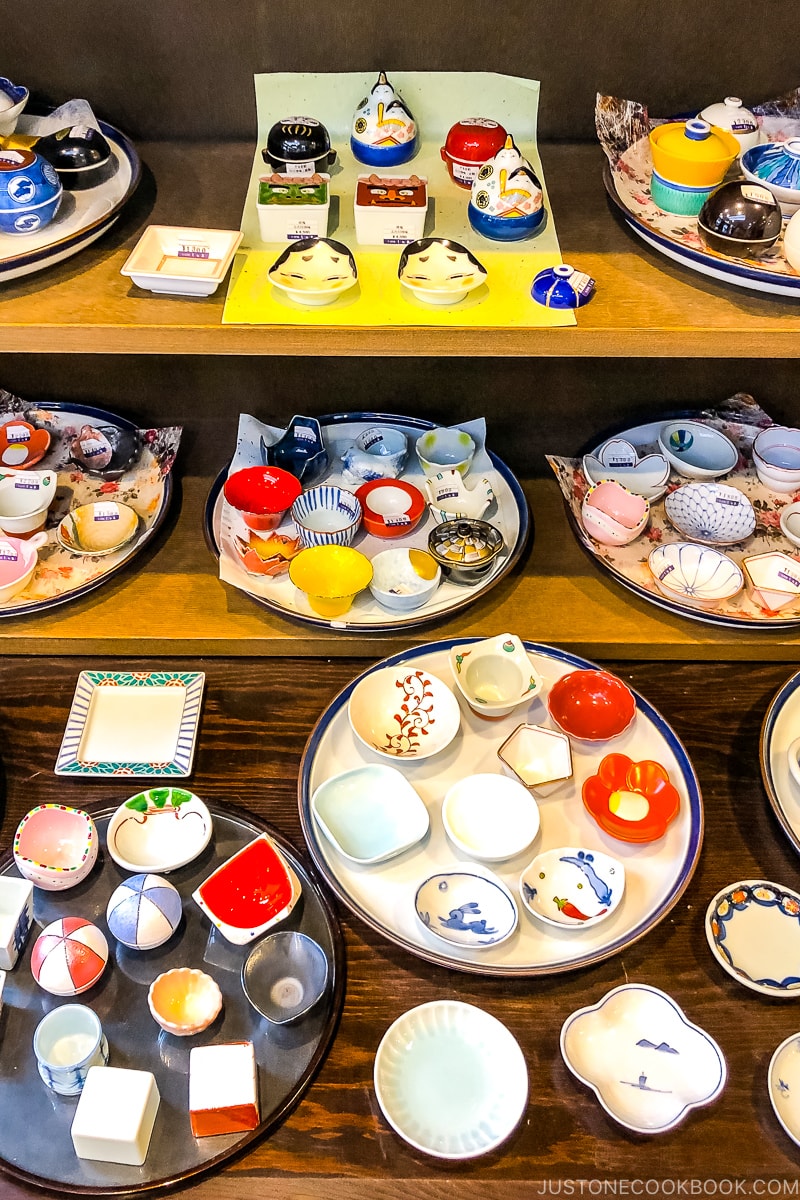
[[223, 1089]]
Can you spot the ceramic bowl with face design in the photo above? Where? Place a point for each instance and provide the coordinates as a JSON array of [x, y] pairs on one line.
[[314, 271], [439, 271]]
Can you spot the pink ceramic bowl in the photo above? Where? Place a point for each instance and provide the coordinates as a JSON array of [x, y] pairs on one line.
[[55, 846], [262, 495], [18, 558], [613, 515]]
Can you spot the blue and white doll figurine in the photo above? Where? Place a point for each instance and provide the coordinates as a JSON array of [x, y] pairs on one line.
[[506, 202], [384, 132]]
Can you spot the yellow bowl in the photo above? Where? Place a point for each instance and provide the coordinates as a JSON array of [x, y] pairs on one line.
[[692, 153], [331, 577]]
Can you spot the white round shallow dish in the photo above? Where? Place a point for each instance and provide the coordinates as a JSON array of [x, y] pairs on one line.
[[490, 817], [753, 931], [159, 830], [451, 1079], [778, 732], [783, 1083], [382, 896]]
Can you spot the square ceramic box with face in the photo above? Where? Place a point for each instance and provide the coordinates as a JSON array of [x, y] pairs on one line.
[[16, 918], [115, 1115]]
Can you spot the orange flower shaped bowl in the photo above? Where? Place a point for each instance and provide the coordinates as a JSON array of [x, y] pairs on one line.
[[634, 802]]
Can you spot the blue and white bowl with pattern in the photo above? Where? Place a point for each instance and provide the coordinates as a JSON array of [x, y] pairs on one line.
[[777, 166], [68, 1041], [144, 911], [572, 887], [326, 516], [13, 99], [697, 575], [30, 191], [712, 513], [467, 908]]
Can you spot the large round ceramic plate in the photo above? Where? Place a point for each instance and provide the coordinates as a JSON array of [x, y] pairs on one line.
[[383, 895], [780, 728], [82, 217], [676, 238], [147, 487], [508, 511], [286, 1061], [628, 564]]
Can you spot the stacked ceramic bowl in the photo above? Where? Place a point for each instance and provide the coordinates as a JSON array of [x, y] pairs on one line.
[[690, 160]]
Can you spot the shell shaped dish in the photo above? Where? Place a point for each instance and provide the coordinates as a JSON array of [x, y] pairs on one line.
[[403, 713], [159, 830], [467, 908], [696, 575], [184, 1001], [647, 1064], [451, 1080], [98, 528], [572, 887], [712, 513]]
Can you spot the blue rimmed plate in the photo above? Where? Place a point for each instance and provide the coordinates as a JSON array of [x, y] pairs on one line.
[[141, 724], [83, 217], [382, 895], [509, 512], [753, 930]]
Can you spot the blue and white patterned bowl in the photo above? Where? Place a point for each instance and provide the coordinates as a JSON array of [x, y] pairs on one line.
[[466, 908], [777, 166], [696, 575], [15, 98], [712, 513], [30, 192], [696, 450], [562, 287], [326, 516]]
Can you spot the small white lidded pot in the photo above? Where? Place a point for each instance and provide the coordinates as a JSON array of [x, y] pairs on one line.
[[67, 1042], [25, 497]]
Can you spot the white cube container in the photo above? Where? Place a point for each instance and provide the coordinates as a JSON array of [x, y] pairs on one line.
[[16, 918], [115, 1115], [293, 222], [384, 223], [223, 1089]]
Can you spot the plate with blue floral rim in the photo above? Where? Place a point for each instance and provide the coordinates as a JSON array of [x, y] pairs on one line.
[[140, 724], [509, 512], [779, 729], [740, 419], [83, 218], [146, 486], [753, 930], [383, 895]]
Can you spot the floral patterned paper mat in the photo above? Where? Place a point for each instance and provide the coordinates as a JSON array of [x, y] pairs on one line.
[[623, 127], [60, 572], [740, 419]]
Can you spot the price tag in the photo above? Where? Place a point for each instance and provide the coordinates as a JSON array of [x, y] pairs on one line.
[[91, 447], [18, 433], [106, 510], [7, 552]]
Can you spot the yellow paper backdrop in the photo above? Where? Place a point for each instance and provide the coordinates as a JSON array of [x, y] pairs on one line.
[[437, 100]]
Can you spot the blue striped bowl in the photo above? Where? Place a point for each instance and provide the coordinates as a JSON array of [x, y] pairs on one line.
[[696, 575], [326, 516]]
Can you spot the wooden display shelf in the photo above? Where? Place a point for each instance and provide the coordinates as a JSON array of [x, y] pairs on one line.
[[645, 305], [170, 601]]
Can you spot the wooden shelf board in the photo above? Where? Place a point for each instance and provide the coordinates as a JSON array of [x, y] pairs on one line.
[[171, 602], [645, 306]]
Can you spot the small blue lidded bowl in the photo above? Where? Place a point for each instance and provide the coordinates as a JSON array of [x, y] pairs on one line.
[[13, 99], [562, 287], [678, 198], [30, 192]]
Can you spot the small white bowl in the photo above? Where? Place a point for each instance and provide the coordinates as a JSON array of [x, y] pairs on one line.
[[712, 513], [645, 1061], [698, 576], [697, 451], [776, 457], [370, 814], [25, 497], [403, 713], [144, 911], [783, 1081], [184, 1001], [773, 580], [159, 830], [572, 887], [174, 261], [490, 817], [18, 98], [404, 579], [451, 1080], [536, 756], [613, 515], [790, 523], [466, 907], [618, 460], [444, 449]]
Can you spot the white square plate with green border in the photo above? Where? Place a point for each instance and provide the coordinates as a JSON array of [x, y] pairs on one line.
[[141, 723]]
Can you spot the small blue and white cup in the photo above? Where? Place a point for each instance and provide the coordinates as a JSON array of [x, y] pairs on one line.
[[67, 1042]]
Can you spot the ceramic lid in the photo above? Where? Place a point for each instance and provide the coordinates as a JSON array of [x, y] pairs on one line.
[[475, 139], [298, 139], [695, 140], [16, 160], [730, 114], [742, 210]]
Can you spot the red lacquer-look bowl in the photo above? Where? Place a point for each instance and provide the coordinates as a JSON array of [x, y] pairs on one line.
[[591, 705], [262, 495]]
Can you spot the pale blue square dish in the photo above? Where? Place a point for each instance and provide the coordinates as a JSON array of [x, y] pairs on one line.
[[370, 814]]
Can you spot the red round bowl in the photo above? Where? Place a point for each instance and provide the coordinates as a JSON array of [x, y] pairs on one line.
[[591, 705], [468, 145], [262, 495], [390, 508]]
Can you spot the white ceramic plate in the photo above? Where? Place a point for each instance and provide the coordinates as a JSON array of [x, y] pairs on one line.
[[783, 1081], [753, 930], [451, 1079], [383, 895], [139, 725], [508, 512], [780, 728]]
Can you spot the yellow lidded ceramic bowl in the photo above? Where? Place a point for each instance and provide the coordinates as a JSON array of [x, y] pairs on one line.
[[331, 577], [692, 153]]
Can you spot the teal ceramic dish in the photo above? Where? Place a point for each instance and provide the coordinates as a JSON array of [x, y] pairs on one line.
[[677, 198]]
